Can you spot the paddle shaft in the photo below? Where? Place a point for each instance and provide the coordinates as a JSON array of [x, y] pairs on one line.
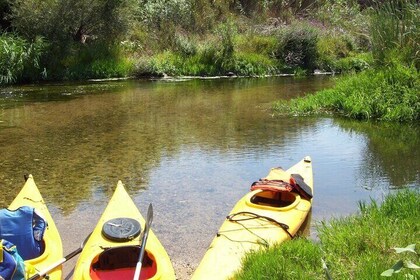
[[56, 264], [143, 240], [44, 272]]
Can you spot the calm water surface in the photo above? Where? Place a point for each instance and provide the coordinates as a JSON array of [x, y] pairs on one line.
[[192, 148]]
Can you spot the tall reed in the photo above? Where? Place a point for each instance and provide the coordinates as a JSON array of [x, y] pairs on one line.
[[19, 59], [395, 32]]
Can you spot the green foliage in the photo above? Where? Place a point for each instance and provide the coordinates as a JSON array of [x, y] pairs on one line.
[[98, 62], [395, 32], [184, 45], [297, 47], [207, 61], [297, 259], [4, 11], [205, 15], [255, 43], [386, 95], [356, 247], [397, 267], [19, 59], [253, 64], [273, 8], [158, 65], [78, 20], [199, 37], [355, 63], [333, 48], [226, 33], [156, 14], [343, 16]]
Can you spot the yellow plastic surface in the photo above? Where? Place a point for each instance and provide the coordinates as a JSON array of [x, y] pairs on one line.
[[234, 240]]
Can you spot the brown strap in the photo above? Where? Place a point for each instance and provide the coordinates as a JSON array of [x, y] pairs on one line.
[[272, 185]]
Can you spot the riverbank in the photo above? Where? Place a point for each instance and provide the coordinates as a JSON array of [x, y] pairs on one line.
[[155, 39], [361, 246], [389, 94]]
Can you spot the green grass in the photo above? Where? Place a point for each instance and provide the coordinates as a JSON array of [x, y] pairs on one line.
[[284, 262], [387, 94], [354, 247], [359, 247]]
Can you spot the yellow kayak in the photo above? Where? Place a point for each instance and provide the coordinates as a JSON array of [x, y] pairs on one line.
[[112, 250], [53, 251], [272, 212]]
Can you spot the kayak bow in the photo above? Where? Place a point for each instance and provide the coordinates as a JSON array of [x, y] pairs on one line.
[[112, 250], [53, 251]]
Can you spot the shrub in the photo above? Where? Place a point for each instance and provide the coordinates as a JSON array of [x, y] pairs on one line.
[[355, 63], [97, 61], [184, 45], [253, 64], [254, 43], [332, 47], [297, 47]]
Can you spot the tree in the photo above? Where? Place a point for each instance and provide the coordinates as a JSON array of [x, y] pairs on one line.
[[78, 20]]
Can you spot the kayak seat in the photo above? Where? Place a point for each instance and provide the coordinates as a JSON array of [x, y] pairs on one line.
[[120, 263], [273, 199]]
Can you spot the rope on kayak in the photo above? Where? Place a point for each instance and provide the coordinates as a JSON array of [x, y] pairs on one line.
[[264, 243], [252, 216], [33, 200]]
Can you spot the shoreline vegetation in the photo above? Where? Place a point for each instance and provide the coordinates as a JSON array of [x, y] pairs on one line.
[[378, 242], [85, 40], [373, 44]]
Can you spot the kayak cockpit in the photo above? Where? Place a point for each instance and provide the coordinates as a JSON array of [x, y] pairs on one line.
[[273, 199], [120, 263]]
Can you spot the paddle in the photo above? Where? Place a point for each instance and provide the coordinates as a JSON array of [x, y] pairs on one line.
[[143, 240], [44, 272]]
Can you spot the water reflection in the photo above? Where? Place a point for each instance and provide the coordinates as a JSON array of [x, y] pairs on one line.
[[91, 140], [392, 152]]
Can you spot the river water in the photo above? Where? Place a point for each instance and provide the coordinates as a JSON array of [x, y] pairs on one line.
[[190, 147]]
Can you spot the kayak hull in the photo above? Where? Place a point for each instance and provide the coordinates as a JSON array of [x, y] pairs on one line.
[[103, 258], [30, 195], [254, 225]]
